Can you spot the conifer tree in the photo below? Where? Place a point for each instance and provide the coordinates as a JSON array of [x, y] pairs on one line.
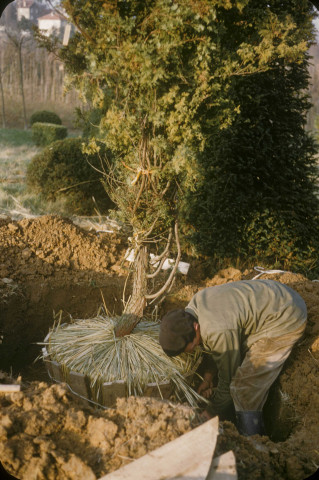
[[164, 73], [257, 196]]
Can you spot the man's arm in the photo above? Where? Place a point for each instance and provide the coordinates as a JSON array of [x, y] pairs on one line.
[[227, 356]]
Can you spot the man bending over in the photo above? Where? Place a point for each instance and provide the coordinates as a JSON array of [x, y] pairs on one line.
[[249, 327]]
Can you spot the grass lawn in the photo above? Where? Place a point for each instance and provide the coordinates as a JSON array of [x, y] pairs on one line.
[[12, 137], [16, 151]]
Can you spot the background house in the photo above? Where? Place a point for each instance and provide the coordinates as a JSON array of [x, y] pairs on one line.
[[51, 22], [28, 9]]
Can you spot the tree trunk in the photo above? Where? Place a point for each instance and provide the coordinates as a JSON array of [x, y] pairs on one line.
[[22, 86], [135, 307], [3, 107]]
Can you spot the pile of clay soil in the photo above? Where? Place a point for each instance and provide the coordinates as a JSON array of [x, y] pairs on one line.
[[54, 246], [47, 265], [50, 264], [46, 435]]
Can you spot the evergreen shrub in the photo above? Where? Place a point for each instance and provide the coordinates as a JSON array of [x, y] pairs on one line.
[[46, 133], [257, 197], [91, 123], [45, 116], [62, 172]]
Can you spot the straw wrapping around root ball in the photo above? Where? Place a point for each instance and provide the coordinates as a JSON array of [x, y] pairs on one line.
[[91, 348]]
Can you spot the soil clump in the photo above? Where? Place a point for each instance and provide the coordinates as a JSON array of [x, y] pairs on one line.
[[46, 435], [50, 264], [53, 246]]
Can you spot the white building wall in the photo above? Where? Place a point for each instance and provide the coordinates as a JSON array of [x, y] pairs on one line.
[[48, 25], [23, 12]]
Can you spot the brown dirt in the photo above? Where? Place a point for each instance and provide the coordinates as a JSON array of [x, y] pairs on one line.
[[46, 435], [54, 246], [50, 264]]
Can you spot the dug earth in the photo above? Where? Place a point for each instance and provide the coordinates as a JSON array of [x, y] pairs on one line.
[[47, 265]]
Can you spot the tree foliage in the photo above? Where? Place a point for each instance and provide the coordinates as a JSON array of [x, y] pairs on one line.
[[259, 177], [166, 73], [258, 184]]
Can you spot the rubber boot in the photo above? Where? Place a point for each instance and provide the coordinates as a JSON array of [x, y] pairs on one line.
[[250, 423]]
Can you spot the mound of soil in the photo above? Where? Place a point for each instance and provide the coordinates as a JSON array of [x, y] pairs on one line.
[[46, 435], [51, 245], [50, 264]]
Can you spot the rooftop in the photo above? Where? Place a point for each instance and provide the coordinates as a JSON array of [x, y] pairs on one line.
[[25, 3], [51, 16]]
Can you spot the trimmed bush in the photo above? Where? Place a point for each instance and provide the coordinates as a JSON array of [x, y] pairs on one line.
[[45, 116], [62, 172], [46, 133]]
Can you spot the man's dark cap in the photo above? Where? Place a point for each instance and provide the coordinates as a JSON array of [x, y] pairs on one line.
[[175, 327]]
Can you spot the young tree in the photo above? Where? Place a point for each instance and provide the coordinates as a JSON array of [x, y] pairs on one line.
[[18, 38], [163, 71], [3, 109]]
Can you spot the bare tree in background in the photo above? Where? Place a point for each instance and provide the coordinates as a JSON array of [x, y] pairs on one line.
[[2, 99], [18, 38]]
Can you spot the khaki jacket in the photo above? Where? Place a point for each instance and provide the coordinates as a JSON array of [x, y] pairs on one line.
[[235, 315]]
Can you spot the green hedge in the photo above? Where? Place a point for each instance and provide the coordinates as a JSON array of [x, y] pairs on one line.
[[62, 171], [256, 193], [46, 133], [45, 116]]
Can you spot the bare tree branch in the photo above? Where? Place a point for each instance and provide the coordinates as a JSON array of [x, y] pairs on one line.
[[161, 258], [139, 195], [173, 272]]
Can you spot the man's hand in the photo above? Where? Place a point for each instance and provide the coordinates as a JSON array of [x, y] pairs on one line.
[[206, 387], [203, 417]]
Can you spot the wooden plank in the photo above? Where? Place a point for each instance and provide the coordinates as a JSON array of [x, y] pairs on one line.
[[187, 457], [48, 366], [57, 371], [155, 390], [9, 388], [223, 467], [80, 385], [112, 390]]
